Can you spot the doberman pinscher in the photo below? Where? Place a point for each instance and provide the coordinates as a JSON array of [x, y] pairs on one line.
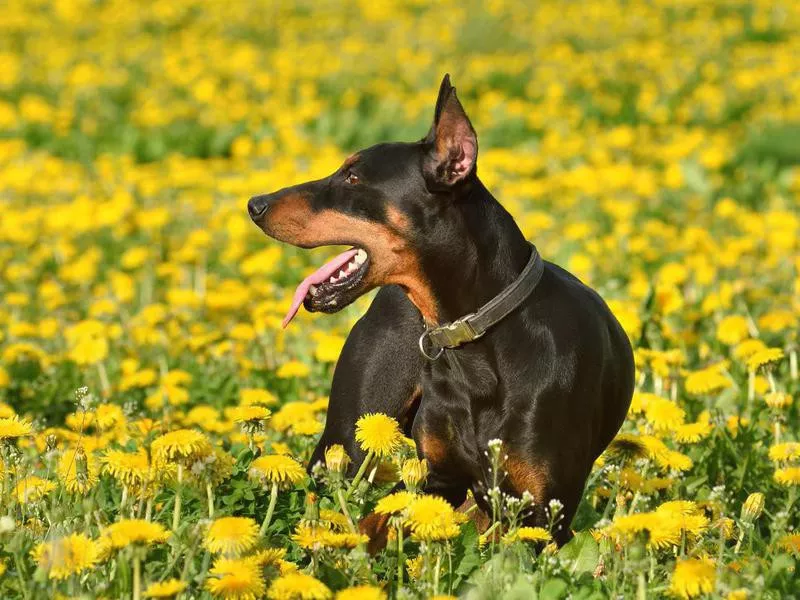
[[552, 373]]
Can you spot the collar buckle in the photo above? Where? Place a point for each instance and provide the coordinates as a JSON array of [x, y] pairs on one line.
[[456, 333]]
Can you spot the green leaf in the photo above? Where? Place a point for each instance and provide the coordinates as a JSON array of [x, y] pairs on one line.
[[553, 589], [583, 552]]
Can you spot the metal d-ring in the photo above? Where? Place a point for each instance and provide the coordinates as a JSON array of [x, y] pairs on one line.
[[424, 335]]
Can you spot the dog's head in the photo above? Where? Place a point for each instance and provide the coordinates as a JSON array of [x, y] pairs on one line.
[[389, 202]]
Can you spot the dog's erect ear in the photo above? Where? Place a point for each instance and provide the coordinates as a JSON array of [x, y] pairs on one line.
[[453, 143]]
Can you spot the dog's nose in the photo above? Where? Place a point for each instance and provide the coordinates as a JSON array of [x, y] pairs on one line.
[[257, 206]]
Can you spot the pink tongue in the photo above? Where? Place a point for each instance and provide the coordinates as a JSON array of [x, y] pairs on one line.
[[318, 276]]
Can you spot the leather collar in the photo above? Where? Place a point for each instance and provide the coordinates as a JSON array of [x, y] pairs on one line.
[[470, 327]]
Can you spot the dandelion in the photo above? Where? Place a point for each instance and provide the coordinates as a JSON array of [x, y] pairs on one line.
[[12, 428], [235, 579], [378, 434], [395, 503], [292, 369], [251, 418], [693, 577], [748, 348], [165, 589], [65, 557], [361, 592], [252, 396], [132, 532], [432, 519], [336, 459], [414, 472], [778, 400], [785, 451], [298, 586], [231, 536], [732, 329], [279, 471], [707, 381], [528, 534], [764, 357], [78, 471], [180, 446], [32, 488], [788, 476], [790, 542], [664, 415], [753, 507]]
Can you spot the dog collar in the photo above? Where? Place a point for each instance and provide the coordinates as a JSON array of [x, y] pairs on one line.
[[472, 326]]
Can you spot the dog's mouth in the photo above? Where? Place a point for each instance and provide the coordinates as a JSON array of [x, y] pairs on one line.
[[333, 286]]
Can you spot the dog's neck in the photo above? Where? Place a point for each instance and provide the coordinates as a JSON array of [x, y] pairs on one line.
[[481, 252]]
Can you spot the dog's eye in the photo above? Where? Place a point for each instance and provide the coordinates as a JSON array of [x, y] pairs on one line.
[[351, 178]]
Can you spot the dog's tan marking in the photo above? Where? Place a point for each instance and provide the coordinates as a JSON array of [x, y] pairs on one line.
[[476, 515], [527, 476], [351, 160], [393, 261], [376, 527], [432, 447], [404, 418]]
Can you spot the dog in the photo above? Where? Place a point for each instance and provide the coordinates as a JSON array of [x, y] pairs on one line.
[[550, 372]]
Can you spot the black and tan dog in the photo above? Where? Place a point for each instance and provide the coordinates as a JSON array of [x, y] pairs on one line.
[[552, 376]]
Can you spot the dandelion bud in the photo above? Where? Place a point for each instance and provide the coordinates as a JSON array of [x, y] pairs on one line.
[[336, 459], [778, 400], [753, 507], [51, 441], [414, 472]]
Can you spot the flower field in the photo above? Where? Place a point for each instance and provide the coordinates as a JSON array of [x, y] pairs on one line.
[[156, 420]]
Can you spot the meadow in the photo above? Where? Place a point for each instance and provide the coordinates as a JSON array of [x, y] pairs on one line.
[[155, 419]]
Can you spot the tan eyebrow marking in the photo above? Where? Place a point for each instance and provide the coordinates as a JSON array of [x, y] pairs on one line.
[[351, 160]]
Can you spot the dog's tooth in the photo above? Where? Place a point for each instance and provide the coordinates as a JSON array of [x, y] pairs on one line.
[[361, 256], [313, 290]]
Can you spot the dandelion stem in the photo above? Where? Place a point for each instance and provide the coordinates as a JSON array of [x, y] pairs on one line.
[[343, 505], [359, 474], [123, 501], [436, 572], [137, 575], [176, 512], [273, 500], [210, 496], [399, 556], [21, 575]]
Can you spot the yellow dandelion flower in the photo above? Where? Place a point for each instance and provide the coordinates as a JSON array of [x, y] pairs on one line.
[[165, 589], [764, 357], [693, 577], [78, 470], [790, 542], [65, 557], [361, 592], [707, 381], [333, 519], [414, 567], [432, 519], [753, 506], [236, 579], [747, 348], [129, 468], [691, 433], [785, 451], [307, 427], [788, 476], [268, 556], [129, 532], [277, 468], [290, 414], [664, 415], [336, 458], [528, 534], [251, 414], [293, 368], [778, 400], [627, 447], [394, 503], [12, 428], [732, 329], [231, 536], [181, 444], [378, 433], [414, 472], [298, 586], [777, 320], [254, 396], [32, 488]]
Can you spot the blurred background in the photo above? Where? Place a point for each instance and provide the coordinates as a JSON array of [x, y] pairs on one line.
[[649, 146]]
